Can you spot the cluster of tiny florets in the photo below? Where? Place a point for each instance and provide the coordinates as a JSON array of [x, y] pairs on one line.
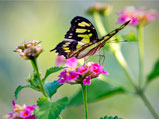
[[21, 112], [29, 50], [136, 15], [82, 74]]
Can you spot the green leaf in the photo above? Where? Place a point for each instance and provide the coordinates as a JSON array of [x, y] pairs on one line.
[[51, 87], [52, 70], [18, 89], [110, 117], [154, 73], [130, 37], [96, 91], [48, 109]]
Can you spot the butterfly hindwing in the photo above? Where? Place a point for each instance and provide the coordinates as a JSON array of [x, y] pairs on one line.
[[66, 47], [82, 30]]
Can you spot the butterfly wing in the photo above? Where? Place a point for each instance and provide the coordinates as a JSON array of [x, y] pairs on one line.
[[82, 30], [93, 47], [66, 47], [77, 47]]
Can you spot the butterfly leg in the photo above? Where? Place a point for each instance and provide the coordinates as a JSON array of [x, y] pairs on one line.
[[101, 58]]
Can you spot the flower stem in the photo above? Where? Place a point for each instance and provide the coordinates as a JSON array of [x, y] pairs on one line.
[[84, 90], [35, 67], [99, 24], [148, 105], [59, 117], [114, 47], [141, 50], [117, 53], [123, 64], [107, 23]]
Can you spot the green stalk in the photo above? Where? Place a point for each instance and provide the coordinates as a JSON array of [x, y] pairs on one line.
[[141, 51], [84, 90], [114, 47], [117, 53], [99, 24], [107, 23], [59, 117], [35, 67], [148, 105]]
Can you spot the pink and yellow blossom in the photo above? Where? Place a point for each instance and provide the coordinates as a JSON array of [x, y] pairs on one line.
[[29, 50], [136, 15], [21, 112], [81, 74]]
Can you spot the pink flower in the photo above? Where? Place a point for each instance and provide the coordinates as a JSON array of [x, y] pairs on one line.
[[72, 62], [95, 70], [105, 73], [82, 74], [31, 117], [82, 70], [73, 75], [63, 77], [25, 113], [60, 60], [136, 15], [31, 108], [87, 80], [21, 112]]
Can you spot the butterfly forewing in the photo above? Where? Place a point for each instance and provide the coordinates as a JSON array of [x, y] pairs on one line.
[[85, 50], [82, 30]]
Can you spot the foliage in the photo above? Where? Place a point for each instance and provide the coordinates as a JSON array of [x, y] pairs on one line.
[[48, 109], [110, 117], [19, 88], [51, 87], [154, 73], [98, 90], [52, 70]]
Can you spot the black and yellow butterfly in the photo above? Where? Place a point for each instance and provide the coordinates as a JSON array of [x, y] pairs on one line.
[[83, 39]]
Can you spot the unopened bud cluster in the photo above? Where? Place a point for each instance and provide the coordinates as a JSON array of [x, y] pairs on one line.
[[29, 50], [101, 9]]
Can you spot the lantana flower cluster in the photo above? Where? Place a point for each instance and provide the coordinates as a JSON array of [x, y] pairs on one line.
[[136, 15], [29, 50], [21, 112], [81, 74]]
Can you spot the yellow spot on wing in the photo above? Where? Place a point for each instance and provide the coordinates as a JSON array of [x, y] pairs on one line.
[[86, 23], [66, 44], [83, 35], [83, 24], [67, 50], [113, 32], [85, 40], [78, 46], [90, 34], [81, 30]]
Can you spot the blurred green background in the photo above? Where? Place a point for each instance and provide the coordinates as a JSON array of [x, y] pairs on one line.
[[48, 21]]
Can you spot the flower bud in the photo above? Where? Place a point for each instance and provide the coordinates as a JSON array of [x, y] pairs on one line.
[[29, 50], [101, 9]]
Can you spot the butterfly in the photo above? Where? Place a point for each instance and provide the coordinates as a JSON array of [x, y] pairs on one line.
[[83, 39]]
